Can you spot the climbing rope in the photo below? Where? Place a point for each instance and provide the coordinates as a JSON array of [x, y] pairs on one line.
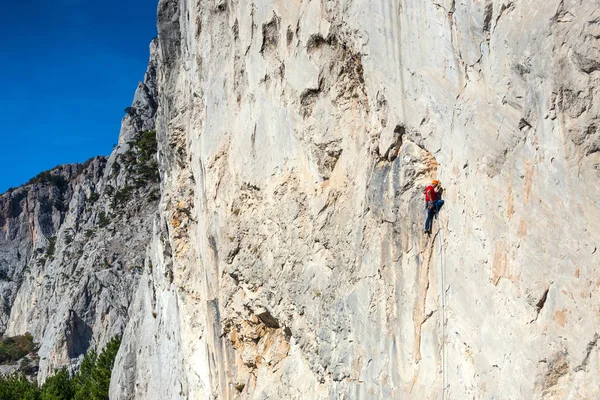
[[443, 311]]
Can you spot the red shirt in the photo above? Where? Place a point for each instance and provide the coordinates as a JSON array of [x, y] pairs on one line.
[[430, 194]]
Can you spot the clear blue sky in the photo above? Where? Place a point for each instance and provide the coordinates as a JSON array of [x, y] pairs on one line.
[[68, 68]]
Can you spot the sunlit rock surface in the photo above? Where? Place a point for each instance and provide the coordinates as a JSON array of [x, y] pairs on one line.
[[288, 259]]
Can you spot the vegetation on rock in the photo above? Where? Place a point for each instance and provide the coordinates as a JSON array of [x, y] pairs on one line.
[[103, 219], [93, 197], [90, 383], [122, 196], [14, 348], [140, 161], [141, 158], [48, 178], [51, 247]]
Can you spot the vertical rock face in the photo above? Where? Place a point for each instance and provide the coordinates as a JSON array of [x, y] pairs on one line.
[[295, 140], [73, 240]]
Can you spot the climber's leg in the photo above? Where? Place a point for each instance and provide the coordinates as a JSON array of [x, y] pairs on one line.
[[430, 214], [438, 205]]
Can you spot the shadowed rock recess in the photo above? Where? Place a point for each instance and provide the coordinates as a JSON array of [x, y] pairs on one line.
[[283, 256]]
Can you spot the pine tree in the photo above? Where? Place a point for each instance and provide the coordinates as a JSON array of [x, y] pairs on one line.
[[93, 378], [92, 382], [58, 387], [17, 387]]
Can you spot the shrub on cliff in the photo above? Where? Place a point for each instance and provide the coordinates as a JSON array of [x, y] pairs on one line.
[[141, 158], [130, 111], [146, 145], [48, 178], [51, 247], [122, 196], [14, 348], [103, 219]]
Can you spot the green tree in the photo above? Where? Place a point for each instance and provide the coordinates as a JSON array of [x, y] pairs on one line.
[[58, 387], [90, 383], [93, 379], [82, 380], [17, 387], [14, 348]]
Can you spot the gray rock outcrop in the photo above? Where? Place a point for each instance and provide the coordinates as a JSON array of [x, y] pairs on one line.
[[295, 141], [73, 243]]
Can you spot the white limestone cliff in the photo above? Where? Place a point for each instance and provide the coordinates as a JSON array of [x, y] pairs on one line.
[[295, 140], [282, 254]]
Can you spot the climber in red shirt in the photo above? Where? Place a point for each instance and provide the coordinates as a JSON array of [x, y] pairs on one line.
[[433, 202]]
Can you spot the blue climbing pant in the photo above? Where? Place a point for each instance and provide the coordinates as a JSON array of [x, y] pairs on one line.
[[432, 212]]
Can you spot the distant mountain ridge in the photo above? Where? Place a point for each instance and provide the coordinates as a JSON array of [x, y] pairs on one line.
[[73, 239]]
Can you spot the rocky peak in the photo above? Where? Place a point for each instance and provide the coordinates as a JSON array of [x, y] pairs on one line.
[[73, 242], [140, 115]]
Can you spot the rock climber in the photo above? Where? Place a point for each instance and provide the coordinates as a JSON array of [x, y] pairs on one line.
[[433, 202]]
